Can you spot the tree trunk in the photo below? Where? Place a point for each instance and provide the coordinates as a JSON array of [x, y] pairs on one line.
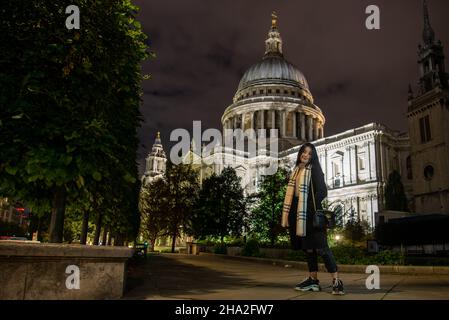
[[105, 234], [273, 224], [84, 228], [173, 243], [97, 229], [109, 238], [118, 240], [152, 244], [57, 216]]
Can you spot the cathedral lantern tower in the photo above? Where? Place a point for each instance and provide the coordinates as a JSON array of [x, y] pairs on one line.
[[274, 94], [428, 118]]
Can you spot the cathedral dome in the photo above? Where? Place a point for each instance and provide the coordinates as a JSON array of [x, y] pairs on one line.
[[273, 94], [273, 74], [273, 69]]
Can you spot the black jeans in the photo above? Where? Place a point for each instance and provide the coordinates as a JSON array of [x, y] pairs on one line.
[[328, 258]]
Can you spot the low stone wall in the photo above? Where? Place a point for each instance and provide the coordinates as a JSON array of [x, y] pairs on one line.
[[32, 271]]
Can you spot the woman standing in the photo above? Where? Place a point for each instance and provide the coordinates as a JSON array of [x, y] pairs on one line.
[[297, 215]]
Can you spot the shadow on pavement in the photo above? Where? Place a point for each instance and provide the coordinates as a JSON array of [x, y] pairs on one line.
[[168, 277]]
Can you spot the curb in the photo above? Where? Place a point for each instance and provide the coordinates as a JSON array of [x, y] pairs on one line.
[[386, 269]]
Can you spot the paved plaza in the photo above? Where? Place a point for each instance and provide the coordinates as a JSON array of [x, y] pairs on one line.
[[216, 277]]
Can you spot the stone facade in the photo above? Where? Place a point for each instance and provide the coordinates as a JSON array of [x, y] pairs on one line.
[[155, 162], [274, 94], [428, 118], [35, 271]]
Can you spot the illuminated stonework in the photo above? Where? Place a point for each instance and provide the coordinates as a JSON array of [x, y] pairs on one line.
[[155, 162], [274, 94]]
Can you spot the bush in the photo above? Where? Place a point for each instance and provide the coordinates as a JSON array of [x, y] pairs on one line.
[[357, 255], [220, 248], [12, 229], [297, 255], [389, 257], [168, 251], [427, 261], [251, 248], [237, 243], [348, 254]]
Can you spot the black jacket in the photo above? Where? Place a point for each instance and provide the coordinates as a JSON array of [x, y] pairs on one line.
[[314, 239], [319, 188]]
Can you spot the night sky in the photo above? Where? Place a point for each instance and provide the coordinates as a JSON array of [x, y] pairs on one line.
[[356, 76]]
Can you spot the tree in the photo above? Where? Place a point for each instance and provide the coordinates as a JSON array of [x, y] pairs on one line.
[[182, 192], [395, 198], [266, 216], [355, 230], [221, 206], [153, 207], [70, 108]]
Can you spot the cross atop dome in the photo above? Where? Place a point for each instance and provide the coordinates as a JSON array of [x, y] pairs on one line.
[[158, 138], [273, 44], [274, 20]]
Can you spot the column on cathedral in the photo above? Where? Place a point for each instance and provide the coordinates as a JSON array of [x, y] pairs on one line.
[[309, 128], [387, 161], [273, 119], [294, 124], [369, 210], [302, 119], [255, 120], [353, 159], [283, 123], [347, 166], [348, 169], [372, 160], [253, 126], [315, 129]]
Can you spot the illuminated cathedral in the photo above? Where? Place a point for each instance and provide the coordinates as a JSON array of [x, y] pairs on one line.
[[274, 94]]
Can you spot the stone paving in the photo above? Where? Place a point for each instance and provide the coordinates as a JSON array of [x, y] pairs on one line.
[[215, 277]]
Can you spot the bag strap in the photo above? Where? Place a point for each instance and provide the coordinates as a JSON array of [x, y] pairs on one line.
[[313, 194]]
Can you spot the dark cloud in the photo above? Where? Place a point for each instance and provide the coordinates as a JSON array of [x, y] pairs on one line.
[[356, 76], [220, 55], [332, 89], [168, 93]]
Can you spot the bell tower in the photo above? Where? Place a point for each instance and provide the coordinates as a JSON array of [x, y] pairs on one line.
[[155, 162], [428, 118]]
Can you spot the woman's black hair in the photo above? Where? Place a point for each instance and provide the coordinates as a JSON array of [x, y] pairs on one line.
[[314, 161]]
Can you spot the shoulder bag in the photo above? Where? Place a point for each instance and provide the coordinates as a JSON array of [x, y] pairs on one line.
[[322, 219]]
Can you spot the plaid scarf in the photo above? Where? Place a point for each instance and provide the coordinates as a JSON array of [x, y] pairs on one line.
[[303, 188]]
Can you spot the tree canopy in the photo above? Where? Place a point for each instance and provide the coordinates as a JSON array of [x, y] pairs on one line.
[[70, 109], [266, 215], [221, 206]]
